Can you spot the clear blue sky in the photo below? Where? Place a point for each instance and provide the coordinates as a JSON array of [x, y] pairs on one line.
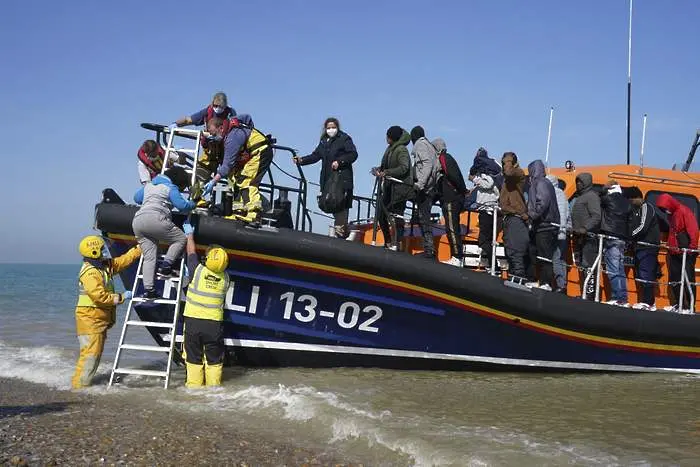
[[78, 77]]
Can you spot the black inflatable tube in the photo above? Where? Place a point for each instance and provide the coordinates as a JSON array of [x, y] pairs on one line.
[[557, 310]]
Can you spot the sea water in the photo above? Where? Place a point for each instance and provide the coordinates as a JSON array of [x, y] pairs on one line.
[[385, 417]]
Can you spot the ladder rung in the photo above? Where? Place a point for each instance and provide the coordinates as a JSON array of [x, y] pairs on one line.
[[161, 277], [186, 151], [154, 324], [135, 371], [158, 300], [147, 348]]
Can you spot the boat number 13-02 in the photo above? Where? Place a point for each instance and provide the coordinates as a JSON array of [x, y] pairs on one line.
[[348, 316]]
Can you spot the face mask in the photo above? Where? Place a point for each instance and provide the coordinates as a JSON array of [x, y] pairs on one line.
[[215, 138], [331, 132], [218, 110]]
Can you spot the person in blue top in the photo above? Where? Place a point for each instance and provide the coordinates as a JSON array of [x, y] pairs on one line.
[[247, 156], [153, 223], [211, 157]]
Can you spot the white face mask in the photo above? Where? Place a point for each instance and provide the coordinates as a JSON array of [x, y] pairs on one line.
[[218, 110], [331, 132]]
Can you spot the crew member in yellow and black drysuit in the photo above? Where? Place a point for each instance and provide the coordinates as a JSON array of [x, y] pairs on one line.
[[204, 314], [97, 304], [247, 156]]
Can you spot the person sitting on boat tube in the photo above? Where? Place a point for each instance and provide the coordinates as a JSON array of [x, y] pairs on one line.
[[95, 311], [247, 156], [204, 313], [153, 223], [211, 157], [683, 233], [337, 153]]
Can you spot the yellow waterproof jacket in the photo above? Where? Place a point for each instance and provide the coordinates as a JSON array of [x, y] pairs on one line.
[[100, 317]]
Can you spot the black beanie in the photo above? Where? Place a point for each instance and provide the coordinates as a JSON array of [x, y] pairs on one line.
[[632, 192], [416, 133], [394, 133]]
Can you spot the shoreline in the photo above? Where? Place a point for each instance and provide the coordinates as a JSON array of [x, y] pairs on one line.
[[40, 425]]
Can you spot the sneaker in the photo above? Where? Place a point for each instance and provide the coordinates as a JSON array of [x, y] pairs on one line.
[[454, 262], [165, 268], [641, 306], [560, 290], [149, 294], [532, 285], [546, 287], [391, 247], [612, 302], [672, 308]]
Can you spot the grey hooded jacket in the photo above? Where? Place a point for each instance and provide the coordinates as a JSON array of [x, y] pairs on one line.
[[563, 205], [585, 211], [426, 164], [542, 206]]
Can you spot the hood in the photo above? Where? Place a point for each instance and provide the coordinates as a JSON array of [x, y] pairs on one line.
[[405, 138], [553, 180], [536, 169], [440, 145], [245, 119], [668, 202], [586, 179], [161, 180]]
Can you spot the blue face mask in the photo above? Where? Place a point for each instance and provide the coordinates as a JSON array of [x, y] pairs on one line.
[[215, 138], [219, 110]]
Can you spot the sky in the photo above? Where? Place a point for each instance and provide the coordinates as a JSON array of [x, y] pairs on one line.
[[78, 78]]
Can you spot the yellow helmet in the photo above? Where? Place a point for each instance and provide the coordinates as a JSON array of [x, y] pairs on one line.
[[217, 259], [91, 247]]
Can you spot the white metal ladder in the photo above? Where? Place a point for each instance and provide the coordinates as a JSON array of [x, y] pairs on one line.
[[135, 321]]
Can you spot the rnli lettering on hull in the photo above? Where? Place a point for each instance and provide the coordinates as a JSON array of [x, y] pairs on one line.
[[302, 308]]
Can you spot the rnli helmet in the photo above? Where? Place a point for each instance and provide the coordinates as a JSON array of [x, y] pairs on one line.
[[92, 246], [217, 259]]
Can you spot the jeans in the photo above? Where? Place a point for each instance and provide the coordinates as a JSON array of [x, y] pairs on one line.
[[516, 238], [646, 266], [613, 254], [559, 263]]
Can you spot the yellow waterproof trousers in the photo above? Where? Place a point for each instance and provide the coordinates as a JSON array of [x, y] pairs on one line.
[[246, 182], [91, 347]]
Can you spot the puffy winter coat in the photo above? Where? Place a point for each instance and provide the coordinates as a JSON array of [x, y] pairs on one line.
[[542, 206], [683, 229]]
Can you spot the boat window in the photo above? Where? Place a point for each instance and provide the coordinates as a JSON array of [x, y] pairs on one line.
[[689, 200]]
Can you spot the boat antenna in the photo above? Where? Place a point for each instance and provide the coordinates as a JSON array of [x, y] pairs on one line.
[[691, 154], [549, 138], [629, 84], [641, 152]]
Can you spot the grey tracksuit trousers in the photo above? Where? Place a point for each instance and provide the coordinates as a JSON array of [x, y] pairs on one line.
[[151, 228]]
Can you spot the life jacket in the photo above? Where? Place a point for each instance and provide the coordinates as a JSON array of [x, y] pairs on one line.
[[256, 143], [154, 166], [83, 298], [225, 115], [206, 294]]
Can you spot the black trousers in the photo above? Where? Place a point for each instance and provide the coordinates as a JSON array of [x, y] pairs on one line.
[[646, 266], [587, 249], [204, 337], [675, 265], [516, 238], [545, 243], [424, 202], [451, 211], [387, 220], [485, 234]]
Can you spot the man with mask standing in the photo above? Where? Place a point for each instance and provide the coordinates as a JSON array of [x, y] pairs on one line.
[[426, 169]]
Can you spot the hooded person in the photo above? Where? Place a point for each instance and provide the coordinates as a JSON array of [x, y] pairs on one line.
[[615, 223], [248, 154], [451, 191], [559, 259], [96, 309], [483, 164], [542, 211], [426, 170], [153, 223], [646, 234], [516, 236], [585, 223], [486, 201], [683, 233], [396, 163], [337, 152]]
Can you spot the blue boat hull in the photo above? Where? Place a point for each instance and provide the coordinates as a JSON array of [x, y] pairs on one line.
[[303, 299]]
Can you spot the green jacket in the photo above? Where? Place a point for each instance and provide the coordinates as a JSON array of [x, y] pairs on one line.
[[396, 163]]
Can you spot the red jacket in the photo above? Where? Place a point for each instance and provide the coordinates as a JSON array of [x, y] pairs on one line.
[[682, 221]]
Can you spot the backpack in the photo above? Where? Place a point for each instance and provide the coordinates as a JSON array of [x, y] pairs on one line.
[[450, 175], [332, 198]]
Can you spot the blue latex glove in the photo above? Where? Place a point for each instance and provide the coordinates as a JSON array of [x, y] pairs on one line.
[[209, 187], [187, 228], [127, 295]]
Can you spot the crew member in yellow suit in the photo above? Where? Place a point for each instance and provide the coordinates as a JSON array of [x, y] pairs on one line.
[[204, 314], [97, 304], [248, 154]]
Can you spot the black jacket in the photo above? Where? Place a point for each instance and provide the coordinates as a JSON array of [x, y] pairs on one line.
[[616, 215], [451, 186], [339, 148], [644, 225]]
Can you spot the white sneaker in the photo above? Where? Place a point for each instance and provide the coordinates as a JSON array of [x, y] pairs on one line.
[[612, 302], [673, 308], [641, 306], [454, 262], [532, 285], [546, 287]]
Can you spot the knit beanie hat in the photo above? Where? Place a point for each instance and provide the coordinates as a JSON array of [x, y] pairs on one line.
[[394, 133]]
